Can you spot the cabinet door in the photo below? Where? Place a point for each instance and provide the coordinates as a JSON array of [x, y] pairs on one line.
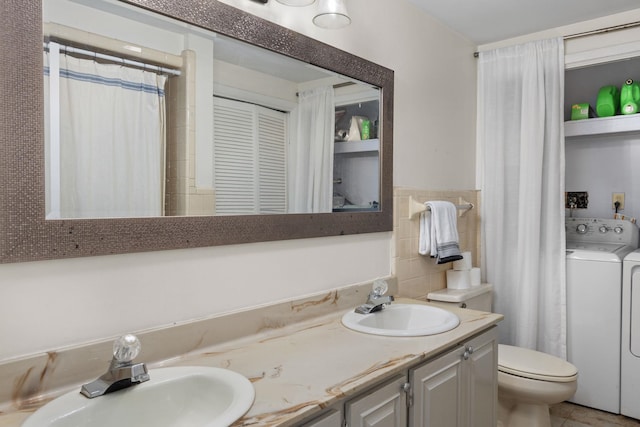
[[438, 392], [459, 388], [385, 406], [332, 418], [482, 368]]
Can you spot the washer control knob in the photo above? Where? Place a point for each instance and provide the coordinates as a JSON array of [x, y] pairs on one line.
[[581, 228], [618, 230], [603, 229]]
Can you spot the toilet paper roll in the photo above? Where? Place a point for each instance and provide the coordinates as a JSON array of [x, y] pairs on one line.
[[463, 264], [476, 276], [458, 279]]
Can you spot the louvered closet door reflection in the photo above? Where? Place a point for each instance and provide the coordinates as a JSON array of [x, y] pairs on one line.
[[272, 176], [249, 158]]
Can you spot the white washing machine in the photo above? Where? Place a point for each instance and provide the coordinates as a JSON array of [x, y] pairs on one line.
[[595, 250], [630, 350]]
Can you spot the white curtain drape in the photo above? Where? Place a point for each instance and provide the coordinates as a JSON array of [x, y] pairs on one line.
[[521, 174], [111, 140], [310, 154]]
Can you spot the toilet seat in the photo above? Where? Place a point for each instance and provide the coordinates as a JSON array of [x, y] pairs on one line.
[[535, 365]]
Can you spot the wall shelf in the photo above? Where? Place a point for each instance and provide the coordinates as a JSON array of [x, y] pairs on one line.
[[602, 126], [366, 146]]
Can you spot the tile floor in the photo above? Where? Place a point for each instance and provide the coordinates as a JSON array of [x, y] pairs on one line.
[[567, 414]]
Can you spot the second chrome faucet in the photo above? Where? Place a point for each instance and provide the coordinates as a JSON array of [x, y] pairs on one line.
[[376, 300]]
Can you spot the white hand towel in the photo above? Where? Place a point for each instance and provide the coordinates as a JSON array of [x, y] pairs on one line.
[[439, 232]]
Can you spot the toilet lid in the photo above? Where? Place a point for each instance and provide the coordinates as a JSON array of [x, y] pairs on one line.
[[534, 364]]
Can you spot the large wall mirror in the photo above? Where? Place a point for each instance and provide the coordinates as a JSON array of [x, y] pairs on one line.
[[148, 125]]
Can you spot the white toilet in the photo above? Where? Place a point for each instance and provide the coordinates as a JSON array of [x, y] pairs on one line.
[[528, 381]]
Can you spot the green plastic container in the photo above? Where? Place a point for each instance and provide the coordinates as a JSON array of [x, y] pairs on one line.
[[581, 111], [629, 97], [365, 133], [608, 101]]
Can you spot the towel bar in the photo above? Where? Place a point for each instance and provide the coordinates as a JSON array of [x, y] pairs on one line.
[[416, 207]]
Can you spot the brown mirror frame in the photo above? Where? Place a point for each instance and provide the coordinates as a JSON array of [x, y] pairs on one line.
[[27, 236]]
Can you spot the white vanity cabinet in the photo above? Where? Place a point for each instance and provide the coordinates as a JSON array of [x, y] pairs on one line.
[[385, 406], [456, 389], [459, 388], [438, 389], [330, 418]]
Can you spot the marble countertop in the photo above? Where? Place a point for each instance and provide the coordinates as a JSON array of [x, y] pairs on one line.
[[302, 368]]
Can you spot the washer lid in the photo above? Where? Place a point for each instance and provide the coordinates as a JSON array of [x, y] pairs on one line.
[[534, 364], [633, 256]]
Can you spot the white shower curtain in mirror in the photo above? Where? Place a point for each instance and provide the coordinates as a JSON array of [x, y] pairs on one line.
[[111, 140], [310, 154], [521, 173]]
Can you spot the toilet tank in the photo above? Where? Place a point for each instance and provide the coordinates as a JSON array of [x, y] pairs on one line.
[[476, 297]]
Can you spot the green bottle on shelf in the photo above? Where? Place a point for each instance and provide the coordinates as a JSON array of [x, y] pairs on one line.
[[629, 97], [366, 129], [608, 101]]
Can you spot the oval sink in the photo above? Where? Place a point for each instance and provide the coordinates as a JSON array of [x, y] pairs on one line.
[[402, 320], [178, 396]]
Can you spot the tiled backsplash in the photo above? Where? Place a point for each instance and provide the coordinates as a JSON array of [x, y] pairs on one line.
[[418, 275]]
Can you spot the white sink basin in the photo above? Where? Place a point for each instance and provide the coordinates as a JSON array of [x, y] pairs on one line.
[[402, 320], [191, 396]]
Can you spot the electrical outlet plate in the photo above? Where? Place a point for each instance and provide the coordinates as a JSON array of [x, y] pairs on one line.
[[576, 199], [617, 197]]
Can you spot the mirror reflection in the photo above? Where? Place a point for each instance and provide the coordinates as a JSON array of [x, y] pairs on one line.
[[148, 116]]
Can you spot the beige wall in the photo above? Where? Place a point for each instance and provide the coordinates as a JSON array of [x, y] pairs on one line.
[[52, 304]]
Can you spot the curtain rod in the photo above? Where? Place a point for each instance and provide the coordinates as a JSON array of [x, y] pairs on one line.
[[592, 32], [603, 30], [116, 59], [336, 86]]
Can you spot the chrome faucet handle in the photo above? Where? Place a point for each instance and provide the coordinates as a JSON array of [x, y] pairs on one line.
[[380, 288], [126, 348]]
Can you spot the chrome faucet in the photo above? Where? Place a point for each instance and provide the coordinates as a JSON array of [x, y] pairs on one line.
[[376, 300], [122, 371]]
